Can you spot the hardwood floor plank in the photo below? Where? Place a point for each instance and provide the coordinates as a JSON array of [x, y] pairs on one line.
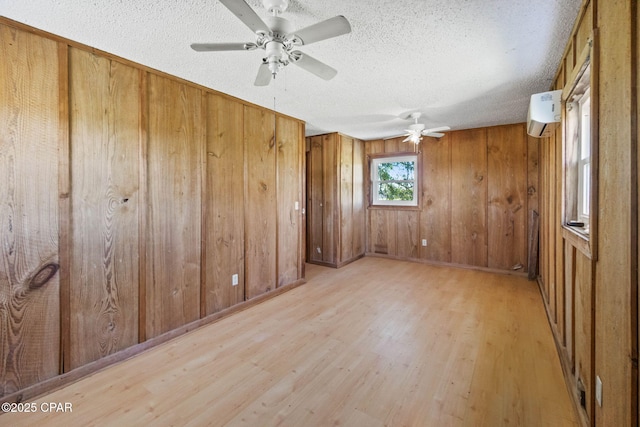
[[377, 342]]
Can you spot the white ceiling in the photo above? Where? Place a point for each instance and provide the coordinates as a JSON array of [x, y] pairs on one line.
[[462, 63]]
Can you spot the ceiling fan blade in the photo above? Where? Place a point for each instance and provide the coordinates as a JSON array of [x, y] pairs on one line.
[[407, 139], [264, 75], [218, 47], [312, 65], [438, 129], [323, 30], [434, 134], [243, 11]]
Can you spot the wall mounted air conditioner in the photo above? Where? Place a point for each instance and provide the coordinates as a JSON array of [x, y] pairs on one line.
[[544, 108]]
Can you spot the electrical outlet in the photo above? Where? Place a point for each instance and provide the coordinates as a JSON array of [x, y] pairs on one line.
[[424, 242], [296, 205], [599, 391], [234, 280]]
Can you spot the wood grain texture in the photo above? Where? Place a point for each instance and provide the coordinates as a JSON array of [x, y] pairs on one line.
[[260, 201], [570, 58], [435, 217], [315, 197], [469, 207], [378, 342], [533, 186], [384, 231], [566, 326], [330, 201], [395, 145], [408, 229], [507, 197], [554, 204], [29, 263], [584, 328], [174, 203], [64, 207], [585, 28], [224, 203], [336, 187], [289, 145], [616, 266], [347, 224], [359, 199], [370, 147], [104, 169]]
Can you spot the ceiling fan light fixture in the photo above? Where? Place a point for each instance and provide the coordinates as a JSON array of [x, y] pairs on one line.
[[275, 51]]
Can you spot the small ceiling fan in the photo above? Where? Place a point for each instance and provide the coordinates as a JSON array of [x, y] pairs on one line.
[[276, 37], [416, 131]]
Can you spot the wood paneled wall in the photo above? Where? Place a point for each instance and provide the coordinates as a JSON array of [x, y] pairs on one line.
[[128, 200], [592, 296], [335, 189], [105, 181], [477, 188], [30, 129]]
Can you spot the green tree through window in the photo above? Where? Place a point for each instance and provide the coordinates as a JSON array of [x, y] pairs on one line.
[[394, 180]]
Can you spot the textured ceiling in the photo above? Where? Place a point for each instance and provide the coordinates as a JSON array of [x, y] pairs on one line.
[[462, 63]]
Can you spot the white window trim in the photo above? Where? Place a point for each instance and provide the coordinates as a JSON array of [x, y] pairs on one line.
[[584, 162], [375, 182]]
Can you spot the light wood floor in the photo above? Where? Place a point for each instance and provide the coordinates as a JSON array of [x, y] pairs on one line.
[[378, 342]]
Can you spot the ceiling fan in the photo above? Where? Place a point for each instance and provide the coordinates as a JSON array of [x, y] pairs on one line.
[[276, 37], [416, 131]]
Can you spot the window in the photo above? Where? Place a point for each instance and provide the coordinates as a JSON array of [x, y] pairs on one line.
[[584, 158], [579, 139], [393, 180], [578, 168]]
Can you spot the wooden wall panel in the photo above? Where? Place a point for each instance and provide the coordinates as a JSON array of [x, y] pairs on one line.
[[289, 187], [104, 271], [566, 327], [435, 218], [544, 218], [358, 198], [174, 204], [408, 230], [507, 198], [583, 326], [346, 198], [336, 189], [330, 202], [224, 204], [395, 145], [570, 59], [533, 182], [586, 27], [554, 175], [29, 258], [370, 147], [469, 207], [383, 226], [315, 197], [616, 238], [260, 213]]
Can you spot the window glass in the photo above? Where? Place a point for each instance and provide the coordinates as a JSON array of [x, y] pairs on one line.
[[394, 181]]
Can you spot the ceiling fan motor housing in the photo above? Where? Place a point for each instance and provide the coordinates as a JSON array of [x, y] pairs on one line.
[[275, 6]]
